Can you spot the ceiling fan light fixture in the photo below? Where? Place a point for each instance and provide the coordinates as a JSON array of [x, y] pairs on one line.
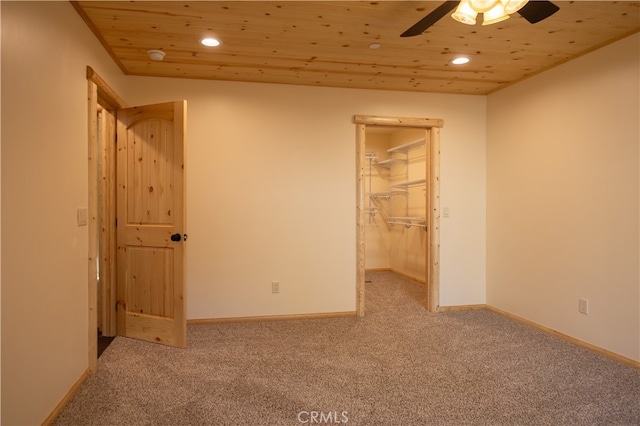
[[494, 15], [482, 6], [512, 6], [464, 13]]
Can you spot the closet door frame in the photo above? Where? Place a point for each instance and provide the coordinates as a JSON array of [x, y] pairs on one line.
[[432, 128]]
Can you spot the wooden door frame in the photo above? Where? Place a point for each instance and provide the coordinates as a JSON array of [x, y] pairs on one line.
[[100, 95], [106, 182], [432, 262]]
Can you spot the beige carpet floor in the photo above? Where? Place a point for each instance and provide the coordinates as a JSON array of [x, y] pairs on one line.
[[399, 365]]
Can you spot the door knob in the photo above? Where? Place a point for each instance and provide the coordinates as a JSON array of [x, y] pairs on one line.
[[176, 237]]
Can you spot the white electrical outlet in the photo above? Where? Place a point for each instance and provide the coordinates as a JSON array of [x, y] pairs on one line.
[[583, 306], [275, 287]]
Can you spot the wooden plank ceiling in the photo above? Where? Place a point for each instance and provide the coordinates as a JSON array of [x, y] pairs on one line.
[[327, 43]]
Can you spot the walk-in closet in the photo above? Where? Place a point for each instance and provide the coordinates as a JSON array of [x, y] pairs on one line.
[[396, 194]]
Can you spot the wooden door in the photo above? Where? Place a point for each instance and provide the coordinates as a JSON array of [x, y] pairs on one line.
[[151, 223]]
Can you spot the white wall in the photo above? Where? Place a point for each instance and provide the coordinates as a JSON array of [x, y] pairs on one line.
[[271, 192], [463, 190], [563, 198], [44, 181]]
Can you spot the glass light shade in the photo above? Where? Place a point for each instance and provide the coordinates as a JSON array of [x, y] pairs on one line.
[[482, 6], [512, 6], [496, 14], [464, 13]]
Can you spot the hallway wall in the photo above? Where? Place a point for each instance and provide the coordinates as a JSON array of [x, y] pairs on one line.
[[44, 182]]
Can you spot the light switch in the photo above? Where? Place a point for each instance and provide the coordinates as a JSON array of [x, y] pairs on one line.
[[445, 211], [83, 216]]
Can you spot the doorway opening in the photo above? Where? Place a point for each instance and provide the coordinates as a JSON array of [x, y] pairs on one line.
[[398, 201], [102, 107]]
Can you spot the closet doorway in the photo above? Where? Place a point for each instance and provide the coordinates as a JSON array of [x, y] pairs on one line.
[[398, 201]]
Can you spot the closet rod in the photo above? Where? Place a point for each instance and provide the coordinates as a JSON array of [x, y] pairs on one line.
[[406, 224]]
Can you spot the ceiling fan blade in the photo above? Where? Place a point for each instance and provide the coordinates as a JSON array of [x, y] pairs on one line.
[[536, 11], [420, 26]]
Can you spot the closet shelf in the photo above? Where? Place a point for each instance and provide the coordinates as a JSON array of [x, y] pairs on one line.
[[386, 195], [407, 218], [407, 221], [409, 183], [390, 162], [407, 146], [398, 155]]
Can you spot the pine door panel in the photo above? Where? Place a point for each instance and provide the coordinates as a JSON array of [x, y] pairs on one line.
[[150, 196], [150, 289]]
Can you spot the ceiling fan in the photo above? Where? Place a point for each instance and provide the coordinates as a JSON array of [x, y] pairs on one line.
[[492, 10]]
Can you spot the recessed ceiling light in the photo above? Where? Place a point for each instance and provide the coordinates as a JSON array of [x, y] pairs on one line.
[[210, 42], [461, 60], [374, 46]]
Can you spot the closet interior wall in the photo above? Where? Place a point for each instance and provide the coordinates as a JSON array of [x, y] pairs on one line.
[[390, 245]]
